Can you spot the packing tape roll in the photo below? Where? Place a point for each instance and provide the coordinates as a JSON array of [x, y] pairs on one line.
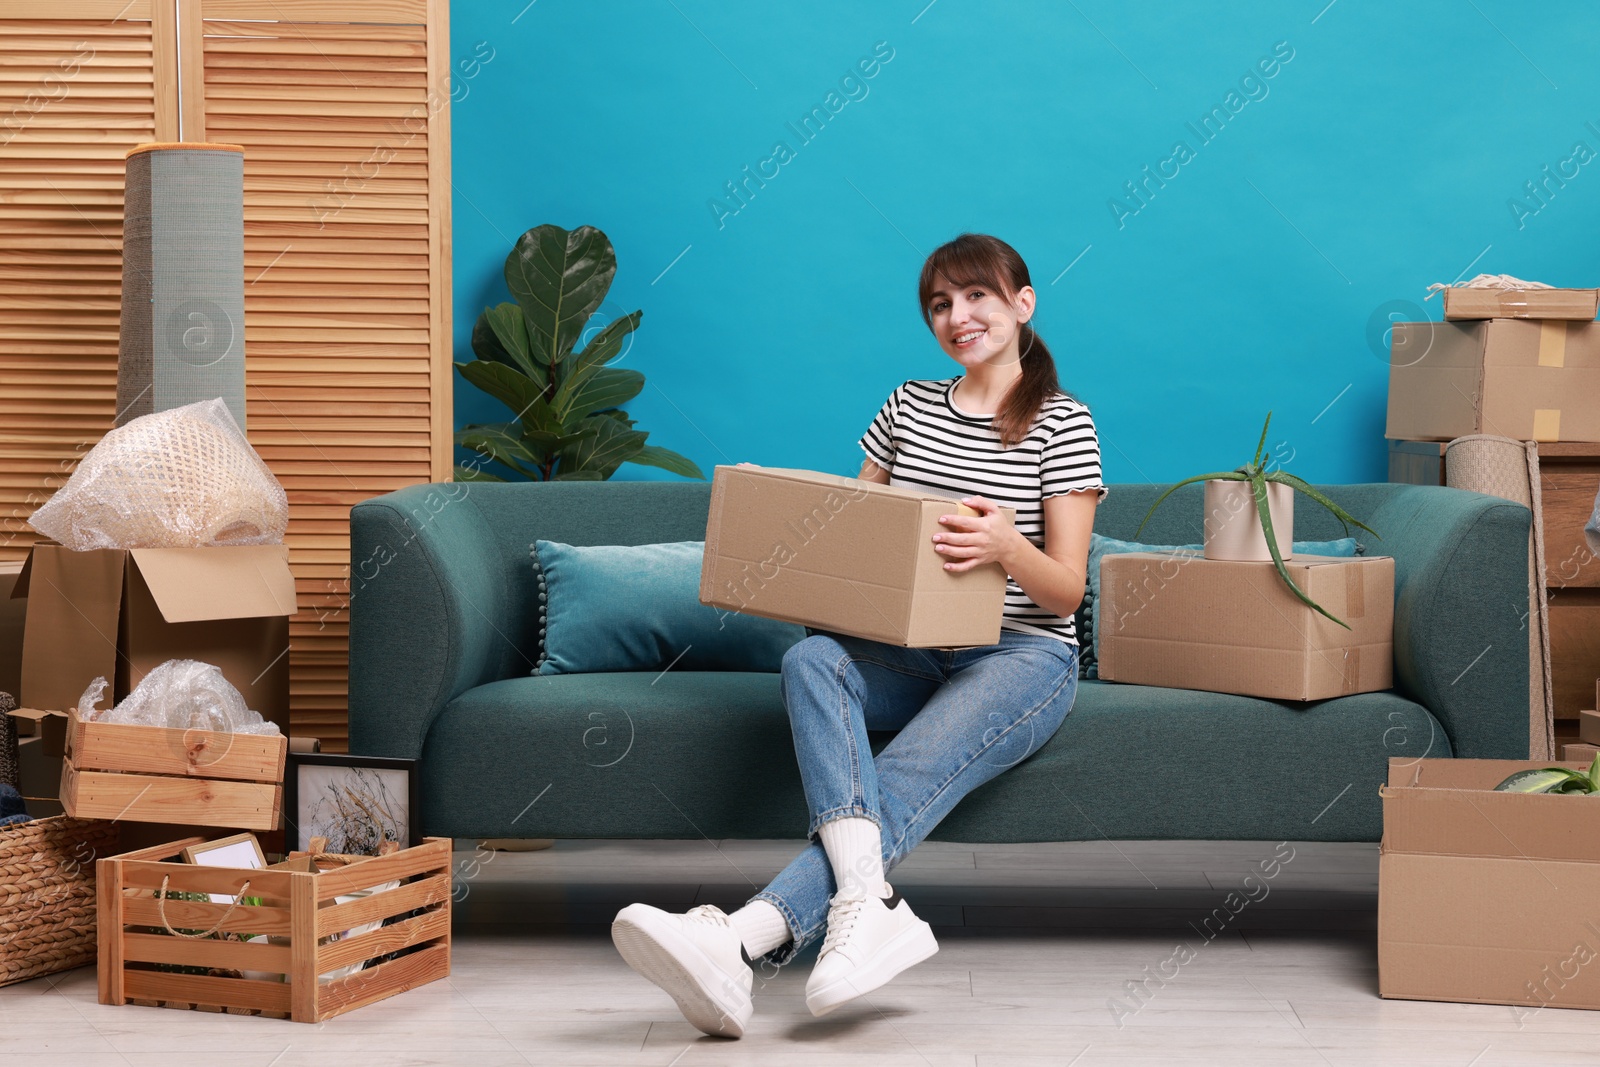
[[1552, 343], [1547, 424]]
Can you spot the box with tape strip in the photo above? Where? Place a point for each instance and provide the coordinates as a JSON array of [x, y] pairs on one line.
[[1226, 626], [1530, 379], [1470, 302]]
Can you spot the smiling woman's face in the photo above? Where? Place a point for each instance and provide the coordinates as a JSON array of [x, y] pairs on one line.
[[975, 323]]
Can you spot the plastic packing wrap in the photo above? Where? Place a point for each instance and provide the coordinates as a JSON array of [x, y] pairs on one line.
[[182, 478], [184, 694]]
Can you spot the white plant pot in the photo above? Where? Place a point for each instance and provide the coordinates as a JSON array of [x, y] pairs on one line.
[[1233, 528]]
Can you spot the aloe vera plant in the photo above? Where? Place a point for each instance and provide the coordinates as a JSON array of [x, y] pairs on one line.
[[569, 425], [1256, 473], [1554, 780]]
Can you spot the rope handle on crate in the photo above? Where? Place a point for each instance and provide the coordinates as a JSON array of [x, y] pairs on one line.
[[161, 910]]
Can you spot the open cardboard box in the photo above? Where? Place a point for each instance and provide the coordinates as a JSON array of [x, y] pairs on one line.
[[119, 613], [1487, 897], [844, 555]]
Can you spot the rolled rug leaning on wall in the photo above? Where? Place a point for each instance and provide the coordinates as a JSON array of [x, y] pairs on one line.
[[1591, 532]]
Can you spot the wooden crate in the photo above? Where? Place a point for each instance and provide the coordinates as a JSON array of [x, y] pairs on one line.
[[297, 912], [156, 774]]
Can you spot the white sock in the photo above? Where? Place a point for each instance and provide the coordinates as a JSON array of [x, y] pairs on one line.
[[761, 927], [855, 851]]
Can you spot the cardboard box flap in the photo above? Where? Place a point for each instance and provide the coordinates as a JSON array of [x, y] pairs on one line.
[[237, 582], [1457, 773], [1478, 821], [19, 588]]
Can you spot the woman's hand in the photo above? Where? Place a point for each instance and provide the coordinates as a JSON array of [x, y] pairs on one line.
[[974, 540]]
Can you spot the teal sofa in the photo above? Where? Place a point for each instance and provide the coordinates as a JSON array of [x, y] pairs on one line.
[[443, 635]]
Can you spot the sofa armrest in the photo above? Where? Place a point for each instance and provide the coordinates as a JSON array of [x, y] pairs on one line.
[[429, 617], [1461, 613]]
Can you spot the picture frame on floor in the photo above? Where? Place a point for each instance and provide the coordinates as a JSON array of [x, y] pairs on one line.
[[356, 802]]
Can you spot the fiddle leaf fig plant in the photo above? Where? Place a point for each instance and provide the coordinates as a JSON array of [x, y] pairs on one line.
[[1257, 474], [1554, 780], [569, 423]]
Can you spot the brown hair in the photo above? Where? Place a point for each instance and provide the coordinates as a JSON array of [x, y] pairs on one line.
[[990, 263]]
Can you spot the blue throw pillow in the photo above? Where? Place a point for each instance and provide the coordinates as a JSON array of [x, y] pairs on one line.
[[1101, 547], [637, 608]]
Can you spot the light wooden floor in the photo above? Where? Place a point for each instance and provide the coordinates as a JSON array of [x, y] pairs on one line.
[[1037, 942]]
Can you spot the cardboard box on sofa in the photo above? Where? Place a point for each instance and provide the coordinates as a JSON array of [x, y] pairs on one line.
[[844, 555], [1486, 897], [1531, 380], [118, 613], [1186, 622], [1462, 302]]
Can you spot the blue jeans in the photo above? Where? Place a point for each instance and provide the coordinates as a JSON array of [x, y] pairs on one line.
[[963, 716]]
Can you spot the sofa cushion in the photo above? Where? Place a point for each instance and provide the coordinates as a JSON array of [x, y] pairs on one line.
[[709, 755], [637, 608], [1101, 547]]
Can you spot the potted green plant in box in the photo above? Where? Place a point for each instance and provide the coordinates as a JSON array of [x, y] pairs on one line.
[[1265, 530], [1555, 780], [569, 425]]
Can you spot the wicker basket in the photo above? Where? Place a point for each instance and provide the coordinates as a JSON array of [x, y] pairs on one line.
[[47, 894]]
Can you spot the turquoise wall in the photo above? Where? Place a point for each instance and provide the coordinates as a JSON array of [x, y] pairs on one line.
[[1358, 152]]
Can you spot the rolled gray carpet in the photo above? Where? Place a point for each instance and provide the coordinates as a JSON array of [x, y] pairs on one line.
[[182, 330]]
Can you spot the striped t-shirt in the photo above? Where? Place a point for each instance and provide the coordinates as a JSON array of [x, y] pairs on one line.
[[925, 442]]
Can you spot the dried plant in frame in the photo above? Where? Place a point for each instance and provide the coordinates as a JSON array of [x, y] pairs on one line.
[[356, 802]]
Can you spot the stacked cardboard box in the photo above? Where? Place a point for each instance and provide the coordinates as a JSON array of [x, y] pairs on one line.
[[1525, 364], [1522, 363]]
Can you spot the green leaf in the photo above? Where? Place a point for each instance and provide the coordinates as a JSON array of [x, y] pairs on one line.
[[1300, 484], [513, 389], [605, 450], [559, 278], [1258, 488], [473, 474], [551, 442], [588, 364], [499, 442], [579, 476], [608, 387], [1594, 775], [1225, 476], [501, 334], [667, 460], [1543, 780], [1257, 461]]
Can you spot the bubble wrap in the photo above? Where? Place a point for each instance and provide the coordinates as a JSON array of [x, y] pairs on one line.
[[184, 694], [182, 478]]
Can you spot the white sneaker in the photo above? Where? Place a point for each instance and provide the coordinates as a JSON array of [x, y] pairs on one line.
[[870, 940], [697, 958]]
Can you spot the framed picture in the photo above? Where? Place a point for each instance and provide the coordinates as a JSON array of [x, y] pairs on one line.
[[240, 850], [356, 802]]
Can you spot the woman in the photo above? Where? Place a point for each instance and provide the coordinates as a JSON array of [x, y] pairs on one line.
[[1000, 433]]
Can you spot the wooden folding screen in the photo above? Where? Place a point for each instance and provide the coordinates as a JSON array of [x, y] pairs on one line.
[[78, 87], [342, 109]]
